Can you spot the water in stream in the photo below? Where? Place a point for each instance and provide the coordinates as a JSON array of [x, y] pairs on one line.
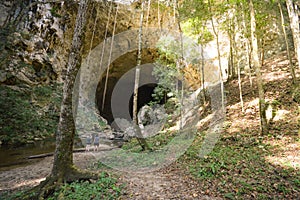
[[15, 157]]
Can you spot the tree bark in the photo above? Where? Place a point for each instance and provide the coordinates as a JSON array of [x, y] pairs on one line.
[[255, 57], [240, 86], [202, 74], [219, 59], [294, 23], [247, 45], [63, 157], [63, 169], [287, 44], [138, 132]]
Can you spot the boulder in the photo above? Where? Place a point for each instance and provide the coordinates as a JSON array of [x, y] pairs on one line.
[[151, 115]]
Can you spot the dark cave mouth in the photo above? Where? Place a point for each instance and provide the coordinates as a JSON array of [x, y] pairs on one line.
[[118, 101], [144, 97], [145, 93]]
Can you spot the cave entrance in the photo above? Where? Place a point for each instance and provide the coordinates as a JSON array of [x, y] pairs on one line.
[[119, 93], [144, 97]]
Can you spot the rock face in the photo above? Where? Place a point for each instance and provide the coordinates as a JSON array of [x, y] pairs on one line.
[[151, 115], [29, 37], [35, 38]]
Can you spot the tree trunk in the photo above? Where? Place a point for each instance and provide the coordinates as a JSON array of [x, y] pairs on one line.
[[287, 44], [63, 169], [262, 53], [240, 86], [231, 71], [230, 60], [247, 45], [294, 23], [219, 59], [63, 157], [255, 57], [202, 74], [138, 132], [109, 59]]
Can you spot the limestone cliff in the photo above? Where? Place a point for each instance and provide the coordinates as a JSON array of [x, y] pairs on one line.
[[35, 40]]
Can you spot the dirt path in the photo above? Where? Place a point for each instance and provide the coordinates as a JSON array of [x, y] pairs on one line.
[[168, 183], [30, 175]]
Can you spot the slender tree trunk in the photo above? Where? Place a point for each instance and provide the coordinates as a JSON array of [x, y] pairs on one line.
[[247, 45], [248, 50], [240, 86], [234, 52], [219, 59], [231, 71], [158, 15], [109, 59], [148, 12], [255, 57], [294, 23], [202, 74], [139, 135], [230, 60], [262, 54], [180, 64], [292, 70]]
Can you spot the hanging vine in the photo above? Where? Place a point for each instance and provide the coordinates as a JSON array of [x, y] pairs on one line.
[[109, 59]]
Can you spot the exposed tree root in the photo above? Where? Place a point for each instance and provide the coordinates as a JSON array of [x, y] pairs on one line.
[[53, 183]]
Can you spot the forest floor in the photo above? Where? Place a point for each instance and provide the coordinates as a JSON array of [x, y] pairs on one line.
[[168, 183], [243, 164]]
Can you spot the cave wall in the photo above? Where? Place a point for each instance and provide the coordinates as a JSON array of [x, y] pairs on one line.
[[40, 35]]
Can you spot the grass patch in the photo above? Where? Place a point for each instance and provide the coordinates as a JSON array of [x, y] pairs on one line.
[[166, 148], [105, 188]]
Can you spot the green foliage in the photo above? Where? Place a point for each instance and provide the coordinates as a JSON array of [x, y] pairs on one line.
[[104, 188], [163, 6], [13, 196], [165, 71], [28, 113], [194, 27], [55, 11], [156, 142]]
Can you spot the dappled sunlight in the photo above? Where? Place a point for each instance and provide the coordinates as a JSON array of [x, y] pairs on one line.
[[253, 103], [288, 155], [204, 121], [27, 183], [280, 114], [240, 121], [276, 76], [274, 114]]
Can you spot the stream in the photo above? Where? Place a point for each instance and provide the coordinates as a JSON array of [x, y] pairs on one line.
[[14, 157], [11, 158]]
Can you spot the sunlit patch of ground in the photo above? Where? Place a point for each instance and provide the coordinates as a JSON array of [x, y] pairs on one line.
[[282, 113], [288, 155], [240, 122], [31, 175], [271, 161]]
